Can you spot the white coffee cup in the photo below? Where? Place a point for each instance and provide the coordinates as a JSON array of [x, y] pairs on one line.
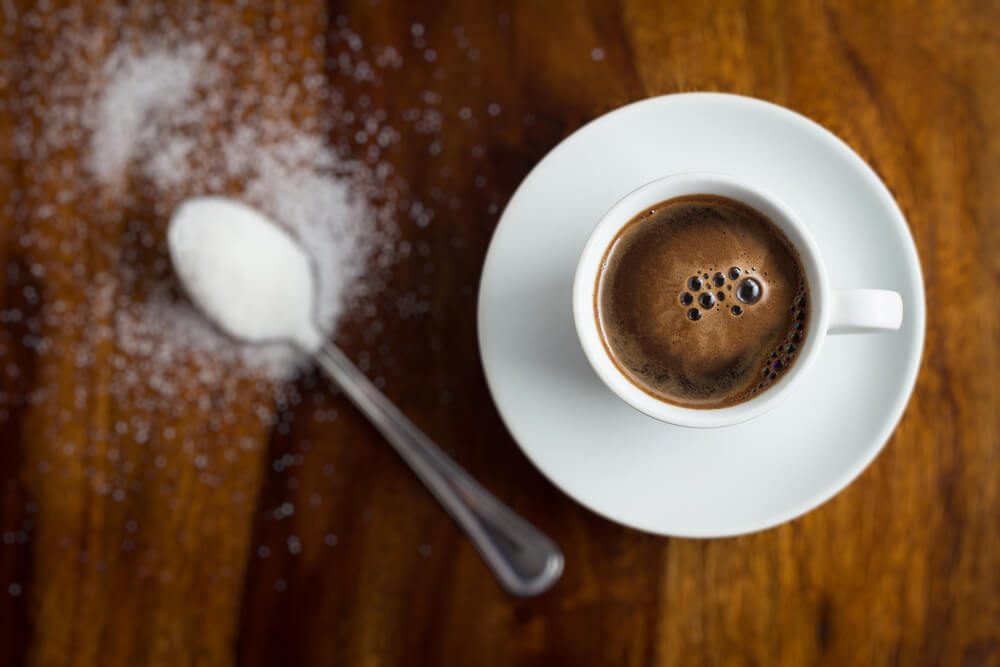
[[832, 311]]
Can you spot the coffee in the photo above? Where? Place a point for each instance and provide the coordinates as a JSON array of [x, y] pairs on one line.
[[702, 302]]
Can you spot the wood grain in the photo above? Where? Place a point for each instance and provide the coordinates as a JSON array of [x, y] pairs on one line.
[[901, 568]]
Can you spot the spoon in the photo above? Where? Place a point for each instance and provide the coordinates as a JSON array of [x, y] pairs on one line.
[[258, 285]]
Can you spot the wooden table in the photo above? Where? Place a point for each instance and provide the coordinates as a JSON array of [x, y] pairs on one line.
[[187, 567]]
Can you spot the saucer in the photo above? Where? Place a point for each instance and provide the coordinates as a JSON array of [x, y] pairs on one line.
[[654, 476]]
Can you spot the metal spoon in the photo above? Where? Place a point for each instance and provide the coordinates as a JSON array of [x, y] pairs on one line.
[[524, 560]]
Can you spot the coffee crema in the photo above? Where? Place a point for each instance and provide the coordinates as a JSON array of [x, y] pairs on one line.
[[702, 302]]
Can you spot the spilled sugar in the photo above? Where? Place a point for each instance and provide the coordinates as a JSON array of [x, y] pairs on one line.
[[123, 112], [163, 113], [140, 95]]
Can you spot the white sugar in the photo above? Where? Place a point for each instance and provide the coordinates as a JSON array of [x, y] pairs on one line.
[[248, 276], [170, 117], [139, 95]]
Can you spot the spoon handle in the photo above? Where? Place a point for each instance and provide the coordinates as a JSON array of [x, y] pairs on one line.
[[524, 560]]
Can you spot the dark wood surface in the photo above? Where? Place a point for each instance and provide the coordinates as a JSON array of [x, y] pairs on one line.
[[902, 568]]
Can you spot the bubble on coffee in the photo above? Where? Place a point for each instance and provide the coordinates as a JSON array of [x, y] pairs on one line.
[[684, 346], [749, 291]]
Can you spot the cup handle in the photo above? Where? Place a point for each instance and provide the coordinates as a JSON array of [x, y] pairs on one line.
[[865, 310]]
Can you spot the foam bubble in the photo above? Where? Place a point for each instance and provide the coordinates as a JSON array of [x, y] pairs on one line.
[[749, 291]]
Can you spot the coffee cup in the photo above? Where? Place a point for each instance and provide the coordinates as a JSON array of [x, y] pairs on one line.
[[832, 311]]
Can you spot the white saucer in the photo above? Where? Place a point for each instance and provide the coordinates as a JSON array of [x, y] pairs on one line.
[[629, 467]]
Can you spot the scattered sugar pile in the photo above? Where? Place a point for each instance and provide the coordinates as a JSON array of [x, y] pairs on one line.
[[169, 118], [120, 113], [172, 113]]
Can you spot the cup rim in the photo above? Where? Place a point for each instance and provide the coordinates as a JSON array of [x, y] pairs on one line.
[[669, 187]]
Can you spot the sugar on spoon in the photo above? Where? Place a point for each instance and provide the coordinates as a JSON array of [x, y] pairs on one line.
[[258, 285]]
